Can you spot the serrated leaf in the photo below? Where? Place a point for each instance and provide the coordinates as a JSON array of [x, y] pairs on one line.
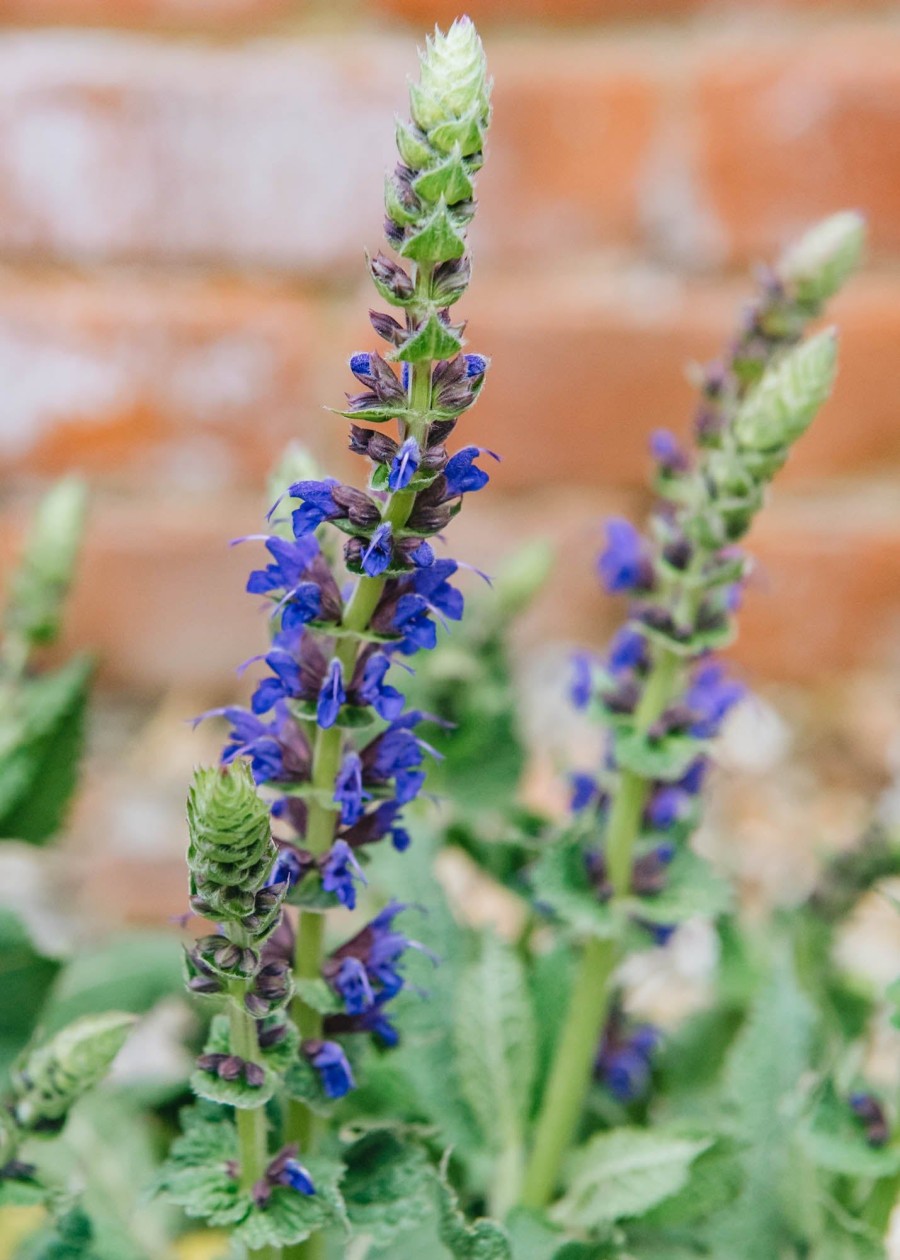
[[834, 1139], [762, 1072], [230, 1093], [624, 1173], [482, 1240], [388, 1186], [289, 1216], [197, 1173], [666, 759], [560, 882], [494, 1033], [533, 1237], [39, 773], [692, 888]]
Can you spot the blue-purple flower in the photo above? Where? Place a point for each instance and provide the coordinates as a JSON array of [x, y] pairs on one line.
[[624, 563]]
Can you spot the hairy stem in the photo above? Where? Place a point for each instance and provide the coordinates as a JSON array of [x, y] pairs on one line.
[[251, 1123], [572, 1068]]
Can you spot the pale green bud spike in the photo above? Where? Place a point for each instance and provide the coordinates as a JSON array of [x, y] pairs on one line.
[[453, 75], [48, 563], [822, 260], [790, 393], [54, 1076], [231, 849]]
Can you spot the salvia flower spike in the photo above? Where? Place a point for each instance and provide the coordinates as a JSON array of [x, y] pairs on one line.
[[659, 692], [326, 734]]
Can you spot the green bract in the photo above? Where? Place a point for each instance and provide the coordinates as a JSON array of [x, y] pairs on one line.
[[40, 584], [818, 264], [790, 393], [54, 1076], [231, 848]]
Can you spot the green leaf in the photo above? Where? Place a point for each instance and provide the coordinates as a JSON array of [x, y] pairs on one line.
[[713, 1182], [289, 1217], [449, 180], [39, 772], [231, 1093], [834, 1139], [666, 759], [495, 1042], [534, 1237], [25, 979], [388, 1187], [197, 1173], [319, 996], [482, 1240], [302, 1083], [692, 888], [624, 1173], [15, 1193], [128, 971], [762, 1073], [560, 881], [431, 340], [71, 1237]]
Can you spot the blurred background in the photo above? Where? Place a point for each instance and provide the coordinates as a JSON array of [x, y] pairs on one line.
[[186, 188]]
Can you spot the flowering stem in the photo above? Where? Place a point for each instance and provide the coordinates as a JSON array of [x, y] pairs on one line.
[[570, 1074], [301, 1122]]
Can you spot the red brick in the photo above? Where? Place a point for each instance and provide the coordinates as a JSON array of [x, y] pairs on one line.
[[789, 130], [490, 13], [121, 148], [585, 366], [189, 13], [160, 594], [144, 382]]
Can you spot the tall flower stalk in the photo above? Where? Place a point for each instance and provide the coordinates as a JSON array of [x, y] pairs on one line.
[[659, 693], [327, 735]]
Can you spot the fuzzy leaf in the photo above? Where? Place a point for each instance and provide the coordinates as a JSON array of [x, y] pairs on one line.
[[622, 1174], [533, 1237], [482, 1240], [39, 773], [790, 393], [388, 1186], [762, 1072], [289, 1217], [231, 1093], [196, 1175], [559, 880], [495, 1042], [834, 1139], [666, 759], [448, 179], [692, 888], [303, 1083]]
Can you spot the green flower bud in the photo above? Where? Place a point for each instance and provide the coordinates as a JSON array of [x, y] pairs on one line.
[[231, 849], [53, 1077], [787, 398], [451, 102], [823, 259], [39, 586]]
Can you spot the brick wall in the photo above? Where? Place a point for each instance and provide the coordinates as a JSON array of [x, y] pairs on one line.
[[186, 187]]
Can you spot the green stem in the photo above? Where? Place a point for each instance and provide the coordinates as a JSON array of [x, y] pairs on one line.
[[570, 1074], [301, 1125], [251, 1122]]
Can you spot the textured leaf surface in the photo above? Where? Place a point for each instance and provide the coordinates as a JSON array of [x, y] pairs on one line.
[[560, 883], [495, 1042], [762, 1073], [290, 1217], [196, 1175], [692, 889], [38, 774], [623, 1173], [389, 1186], [482, 1240], [835, 1140]]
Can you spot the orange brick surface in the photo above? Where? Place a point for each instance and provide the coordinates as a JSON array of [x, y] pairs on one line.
[[790, 128]]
